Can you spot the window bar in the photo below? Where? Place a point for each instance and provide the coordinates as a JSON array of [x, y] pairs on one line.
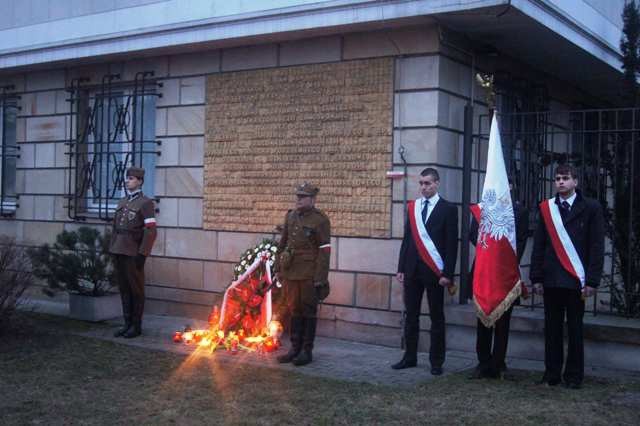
[[630, 258], [3, 155], [6, 151], [73, 178], [601, 127]]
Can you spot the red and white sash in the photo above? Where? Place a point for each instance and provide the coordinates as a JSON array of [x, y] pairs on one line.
[[560, 240], [426, 248]]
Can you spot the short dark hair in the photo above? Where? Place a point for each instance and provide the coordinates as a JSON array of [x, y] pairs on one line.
[[430, 171], [566, 169]]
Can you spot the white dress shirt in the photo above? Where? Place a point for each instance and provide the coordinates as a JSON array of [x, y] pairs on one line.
[[432, 203]]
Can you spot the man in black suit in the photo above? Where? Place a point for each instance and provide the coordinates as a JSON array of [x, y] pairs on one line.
[[491, 363], [427, 262], [567, 273]]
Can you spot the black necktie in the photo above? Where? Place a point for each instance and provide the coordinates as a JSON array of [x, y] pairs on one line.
[[566, 207], [425, 208]]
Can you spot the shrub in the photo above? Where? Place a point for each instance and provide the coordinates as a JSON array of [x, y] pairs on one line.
[[15, 278], [78, 262]]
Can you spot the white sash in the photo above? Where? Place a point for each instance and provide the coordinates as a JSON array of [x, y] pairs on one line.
[[565, 241], [426, 240]]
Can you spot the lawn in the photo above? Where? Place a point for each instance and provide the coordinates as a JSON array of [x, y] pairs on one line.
[[52, 377]]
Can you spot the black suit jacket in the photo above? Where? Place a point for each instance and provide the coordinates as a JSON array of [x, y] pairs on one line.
[[585, 226], [442, 227]]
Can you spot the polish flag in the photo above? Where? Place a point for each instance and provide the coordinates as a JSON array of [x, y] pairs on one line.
[[496, 277]]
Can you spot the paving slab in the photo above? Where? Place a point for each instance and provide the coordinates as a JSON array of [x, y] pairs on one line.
[[332, 358]]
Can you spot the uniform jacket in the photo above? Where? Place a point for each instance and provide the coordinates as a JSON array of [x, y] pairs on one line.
[[303, 235], [442, 227], [130, 236], [585, 226]]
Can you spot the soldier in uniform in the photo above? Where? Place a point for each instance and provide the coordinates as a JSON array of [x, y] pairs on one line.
[[303, 266], [133, 235]]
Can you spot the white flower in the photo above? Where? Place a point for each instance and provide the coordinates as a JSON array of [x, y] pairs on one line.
[[261, 246], [249, 257], [255, 250], [274, 249], [244, 262], [268, 246]]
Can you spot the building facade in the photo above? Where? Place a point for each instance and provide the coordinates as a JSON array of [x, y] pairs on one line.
[[229, 104]]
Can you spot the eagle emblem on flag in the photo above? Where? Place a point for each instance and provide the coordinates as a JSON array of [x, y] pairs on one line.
[[496, 218]]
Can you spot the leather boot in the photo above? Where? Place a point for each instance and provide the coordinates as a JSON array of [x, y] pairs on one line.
[[297, 324], [123, 330], [305, 356], [134, 331]]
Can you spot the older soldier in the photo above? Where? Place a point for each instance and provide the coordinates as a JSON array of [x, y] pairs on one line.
[[134, 232], [303, 265]]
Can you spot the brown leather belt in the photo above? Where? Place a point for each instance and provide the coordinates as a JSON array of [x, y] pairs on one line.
[[128, 231]]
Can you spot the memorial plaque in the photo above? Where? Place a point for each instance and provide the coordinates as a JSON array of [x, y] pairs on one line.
[[268, 130]]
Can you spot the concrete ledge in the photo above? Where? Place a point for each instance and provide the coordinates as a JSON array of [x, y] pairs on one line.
[[601, 328]]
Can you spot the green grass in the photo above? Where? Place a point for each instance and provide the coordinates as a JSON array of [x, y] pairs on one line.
[[49, 376]]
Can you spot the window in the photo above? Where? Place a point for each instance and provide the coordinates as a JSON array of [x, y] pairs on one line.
[[115, 129], [8, 154]]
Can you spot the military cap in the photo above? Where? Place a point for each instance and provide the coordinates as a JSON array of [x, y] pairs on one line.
[[307, 189], [135, 172]]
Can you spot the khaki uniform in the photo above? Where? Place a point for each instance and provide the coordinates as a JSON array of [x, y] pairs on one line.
[[303, 264], [304, 260], [133, 235], [130, 236]]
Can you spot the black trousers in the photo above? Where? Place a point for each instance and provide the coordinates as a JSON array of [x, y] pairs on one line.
[[130, 275], [498, 335], [413, 290], [557, 303]]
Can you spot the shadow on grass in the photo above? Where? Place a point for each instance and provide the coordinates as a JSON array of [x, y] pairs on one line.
[[50, 376]]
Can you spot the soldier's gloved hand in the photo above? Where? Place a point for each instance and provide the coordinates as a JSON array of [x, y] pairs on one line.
[[322, 289], [140, 259]]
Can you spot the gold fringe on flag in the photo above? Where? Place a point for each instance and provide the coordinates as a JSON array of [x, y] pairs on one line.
[[489, 320]]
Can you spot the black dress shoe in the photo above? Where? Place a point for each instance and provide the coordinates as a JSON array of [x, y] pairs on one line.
[[404, 363], [436, 371]]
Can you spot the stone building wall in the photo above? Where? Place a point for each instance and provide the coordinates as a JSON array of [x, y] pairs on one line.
[[191, 263]]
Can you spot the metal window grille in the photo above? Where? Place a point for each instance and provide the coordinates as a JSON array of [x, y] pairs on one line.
[[603, 146], [113, 128], [9, 151]]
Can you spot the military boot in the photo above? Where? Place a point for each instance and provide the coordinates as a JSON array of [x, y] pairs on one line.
[[134, 331], [305, 357], [123, 330], [297, 324]]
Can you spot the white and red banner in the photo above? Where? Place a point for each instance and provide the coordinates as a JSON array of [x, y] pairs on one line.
[[560, 240], [496, 276], [426, 248]]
